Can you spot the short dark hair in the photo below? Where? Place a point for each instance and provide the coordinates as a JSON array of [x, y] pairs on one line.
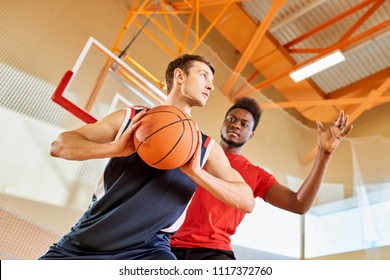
[[251, 106], [184, 62]]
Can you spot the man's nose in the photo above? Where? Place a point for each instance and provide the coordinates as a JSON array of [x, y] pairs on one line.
[[235, 123], [210, 86]]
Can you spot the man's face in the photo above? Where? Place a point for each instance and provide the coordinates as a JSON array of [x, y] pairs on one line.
[[198, 84], [237, 127]]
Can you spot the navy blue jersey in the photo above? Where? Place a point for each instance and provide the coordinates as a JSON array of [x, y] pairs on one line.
[[133, 202]]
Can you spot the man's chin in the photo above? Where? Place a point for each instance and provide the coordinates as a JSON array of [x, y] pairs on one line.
[[200, 103], [232, 143]]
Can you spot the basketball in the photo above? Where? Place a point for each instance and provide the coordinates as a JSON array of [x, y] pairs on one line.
[[166, 138]]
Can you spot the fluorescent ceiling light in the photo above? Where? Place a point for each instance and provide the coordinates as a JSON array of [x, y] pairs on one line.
[[317, 66]]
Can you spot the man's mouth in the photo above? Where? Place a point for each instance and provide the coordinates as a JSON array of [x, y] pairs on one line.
[[233, 133]]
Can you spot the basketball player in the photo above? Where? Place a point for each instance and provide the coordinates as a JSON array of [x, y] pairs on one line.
[[135, 206], [206, 231]]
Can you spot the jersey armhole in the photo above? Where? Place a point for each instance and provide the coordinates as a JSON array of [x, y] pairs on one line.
[[130, 112], [208, 145]]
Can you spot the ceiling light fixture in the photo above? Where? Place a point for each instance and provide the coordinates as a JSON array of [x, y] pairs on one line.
[[317, 66]]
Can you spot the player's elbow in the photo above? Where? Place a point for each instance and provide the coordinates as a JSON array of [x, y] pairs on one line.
[[58, 149], [250, 208], [55, 149], [300, 212], [301, 209], [249, 205]]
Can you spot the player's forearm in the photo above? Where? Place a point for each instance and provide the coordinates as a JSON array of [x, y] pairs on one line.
[[73, 146], [236, 194], [309, 189]]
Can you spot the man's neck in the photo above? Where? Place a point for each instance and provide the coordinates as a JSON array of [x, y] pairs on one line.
[[180, 103], [229, 149]]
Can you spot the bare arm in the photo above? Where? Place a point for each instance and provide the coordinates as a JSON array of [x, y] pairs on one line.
[[97, 140], [220, 179], [301, 201]]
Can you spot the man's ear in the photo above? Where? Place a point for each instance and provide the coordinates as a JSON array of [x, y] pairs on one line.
[[178, 75], [252, 134]]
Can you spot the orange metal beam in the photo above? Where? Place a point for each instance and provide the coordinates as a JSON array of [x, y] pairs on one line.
[[355, 93], [257, 36], [363, 85], [196, 21], [191, 5], [328, 23], [327, 102], [192, 8], [128, 21], [366, 15], [340, 45], [206, 3], [306, 50], [171, 33], [370, 100], [162, 12], [102, 75], [186, 31], [142, 86], [179, 45], [164, 8], [145, 72], [211, 25], [248, 80], [154, 38], [180, 5]]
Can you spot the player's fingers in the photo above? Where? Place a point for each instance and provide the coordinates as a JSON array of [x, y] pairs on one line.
[[347, 130], [139, 116], [320, 126]]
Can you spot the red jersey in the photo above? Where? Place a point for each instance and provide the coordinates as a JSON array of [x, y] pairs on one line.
[[209, 222]]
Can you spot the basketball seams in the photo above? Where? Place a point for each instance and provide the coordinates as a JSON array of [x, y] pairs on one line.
[[175, 145], [162, 128], [190, 153]]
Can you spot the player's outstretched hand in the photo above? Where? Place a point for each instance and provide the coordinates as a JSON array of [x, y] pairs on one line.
[[330, 138]]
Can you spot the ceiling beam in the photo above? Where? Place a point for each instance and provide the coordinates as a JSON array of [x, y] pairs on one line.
[[298, 13], [253, 44], [330, 22], [182, 5], [339, 45], [320, 103], [370, 100], [364, 85], [355, 93]]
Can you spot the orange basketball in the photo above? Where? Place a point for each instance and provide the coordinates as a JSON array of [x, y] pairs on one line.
[[166, 138]]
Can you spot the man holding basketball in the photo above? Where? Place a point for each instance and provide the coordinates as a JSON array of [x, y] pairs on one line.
[[205, 233], [135, 206]]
